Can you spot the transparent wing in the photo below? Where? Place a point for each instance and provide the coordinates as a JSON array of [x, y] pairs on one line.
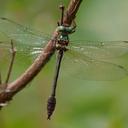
[[4, 52], [32, 51], [24, 38], [81, 66], [101, 50]]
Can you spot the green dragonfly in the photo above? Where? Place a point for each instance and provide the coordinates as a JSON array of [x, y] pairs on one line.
[[91, 60]]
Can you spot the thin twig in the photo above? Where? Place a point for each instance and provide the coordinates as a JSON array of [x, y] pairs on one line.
[[41, 60], [71, 12], [13, 52], [0, 79]]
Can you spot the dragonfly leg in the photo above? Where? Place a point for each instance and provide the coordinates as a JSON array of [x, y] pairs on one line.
[[13, 53], [74, 24], [73, 27]]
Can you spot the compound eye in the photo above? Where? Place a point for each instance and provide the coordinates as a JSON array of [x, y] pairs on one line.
[[61, 28]]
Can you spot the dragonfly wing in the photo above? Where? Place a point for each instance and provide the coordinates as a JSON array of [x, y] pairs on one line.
[[33, 51], [4, 52], [101, 50], [24, 38], [84, 67]]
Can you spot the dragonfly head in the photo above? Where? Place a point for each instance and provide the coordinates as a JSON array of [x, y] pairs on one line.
[[65, 29]]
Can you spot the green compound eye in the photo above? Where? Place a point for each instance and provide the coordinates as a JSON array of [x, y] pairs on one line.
[[64, 29], [60, 28]]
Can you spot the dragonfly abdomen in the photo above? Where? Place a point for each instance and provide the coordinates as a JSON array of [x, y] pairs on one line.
[[51, 106]]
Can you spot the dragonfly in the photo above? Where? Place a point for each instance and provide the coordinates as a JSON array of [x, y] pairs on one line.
[[91, 59]]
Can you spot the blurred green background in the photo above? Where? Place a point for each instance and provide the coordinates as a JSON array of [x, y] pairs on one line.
[[80, 103]]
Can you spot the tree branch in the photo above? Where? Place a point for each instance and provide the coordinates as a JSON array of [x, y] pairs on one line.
[[17, 85]]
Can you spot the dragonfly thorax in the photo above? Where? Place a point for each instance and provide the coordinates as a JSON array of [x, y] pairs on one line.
[[62, 42], [63, 38]]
